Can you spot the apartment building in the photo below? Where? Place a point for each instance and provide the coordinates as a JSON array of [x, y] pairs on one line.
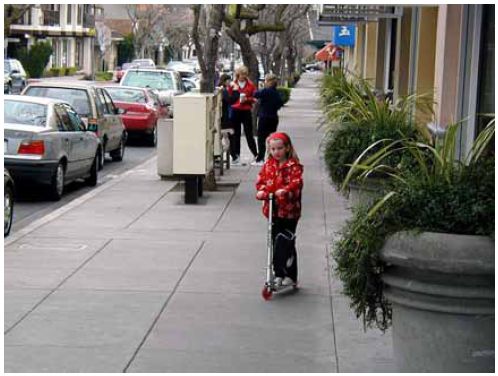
[[446, 51], [69, 27]]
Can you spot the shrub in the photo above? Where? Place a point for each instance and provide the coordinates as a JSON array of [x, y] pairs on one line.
[[439, 194], [356, 118], [69, 71], [36, 59], [285, 93], [103, 76]]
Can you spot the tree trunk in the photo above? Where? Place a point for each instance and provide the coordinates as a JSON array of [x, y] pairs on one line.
[[208, 54], [249, 57]]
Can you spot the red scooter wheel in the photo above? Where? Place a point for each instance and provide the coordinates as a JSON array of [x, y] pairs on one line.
[[266, 293]]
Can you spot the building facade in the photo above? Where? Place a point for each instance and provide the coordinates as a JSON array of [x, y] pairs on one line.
[[444, 51], [70, 28]]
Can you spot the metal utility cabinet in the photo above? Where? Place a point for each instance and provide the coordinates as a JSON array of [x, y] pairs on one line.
[[194, 125]]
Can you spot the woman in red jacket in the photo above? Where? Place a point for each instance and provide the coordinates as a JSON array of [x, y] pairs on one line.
[[241, 113], [282, 175]]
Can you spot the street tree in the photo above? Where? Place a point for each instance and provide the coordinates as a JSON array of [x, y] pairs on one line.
[[145, 19], [12, 13], [276, 47], [177, 27], [206, 33], [244, 22]]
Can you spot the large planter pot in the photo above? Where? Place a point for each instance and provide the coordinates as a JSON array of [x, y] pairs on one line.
[[365, 192], [441, 287]]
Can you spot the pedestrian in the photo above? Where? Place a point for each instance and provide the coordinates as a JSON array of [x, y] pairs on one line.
[[241, 113], [226, 111], [270, 102], [282, 175]]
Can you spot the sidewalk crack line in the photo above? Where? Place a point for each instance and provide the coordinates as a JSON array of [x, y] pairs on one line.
[[329, 270], [163, 308], [57, 287]]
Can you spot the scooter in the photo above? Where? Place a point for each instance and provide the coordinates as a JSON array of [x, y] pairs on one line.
[[270, 286]]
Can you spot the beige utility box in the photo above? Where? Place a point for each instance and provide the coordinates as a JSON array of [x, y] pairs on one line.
[[194, 125]]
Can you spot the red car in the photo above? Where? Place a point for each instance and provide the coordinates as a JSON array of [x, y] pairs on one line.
[[143, 110]]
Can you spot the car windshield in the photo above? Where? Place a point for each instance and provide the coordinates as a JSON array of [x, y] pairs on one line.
[[7, 65], [25, 113], [152, 79], [126, 95], [77, 98]]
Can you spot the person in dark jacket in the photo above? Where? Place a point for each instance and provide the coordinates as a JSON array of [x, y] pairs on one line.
[[228, 100], [270, 102], [227, 131]]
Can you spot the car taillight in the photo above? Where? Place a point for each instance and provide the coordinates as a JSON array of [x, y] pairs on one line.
[[32, 147]]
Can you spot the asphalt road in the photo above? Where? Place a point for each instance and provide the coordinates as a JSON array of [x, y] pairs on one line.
[[32, 204]]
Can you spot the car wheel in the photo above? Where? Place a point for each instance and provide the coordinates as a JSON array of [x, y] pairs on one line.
[[8, 210], [153, 137], [92, 179], [57, 184], [101, 157], [118, 154]]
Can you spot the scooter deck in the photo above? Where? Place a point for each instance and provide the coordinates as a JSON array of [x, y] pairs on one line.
[[275, 288]]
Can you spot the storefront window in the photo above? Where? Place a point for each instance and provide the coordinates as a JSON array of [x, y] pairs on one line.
[[486, 90]]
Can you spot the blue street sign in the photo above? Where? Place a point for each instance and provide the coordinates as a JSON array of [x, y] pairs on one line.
[[344, 35]]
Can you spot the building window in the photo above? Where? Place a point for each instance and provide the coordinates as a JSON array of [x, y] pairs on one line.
[[51, 15], [69, 20], [56, 54], [79, 53], [486, 88], [65, 53], [80, 15]]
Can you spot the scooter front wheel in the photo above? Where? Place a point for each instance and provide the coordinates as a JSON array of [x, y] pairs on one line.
[[266, 293]]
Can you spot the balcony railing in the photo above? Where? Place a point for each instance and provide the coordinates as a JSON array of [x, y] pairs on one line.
[[51, 18], [89, 21]]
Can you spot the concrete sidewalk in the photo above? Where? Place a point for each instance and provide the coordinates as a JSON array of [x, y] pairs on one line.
[[131, 279]]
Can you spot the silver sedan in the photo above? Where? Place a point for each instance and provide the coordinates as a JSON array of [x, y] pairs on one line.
[[45, 141]]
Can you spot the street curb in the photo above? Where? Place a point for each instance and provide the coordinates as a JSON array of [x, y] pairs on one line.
[[73, 204]]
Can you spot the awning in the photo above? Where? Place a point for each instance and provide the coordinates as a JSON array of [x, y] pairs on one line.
[[329, 53]]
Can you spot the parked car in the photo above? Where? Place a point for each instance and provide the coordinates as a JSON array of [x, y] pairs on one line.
[[95, 106], [45, 141], [142, 110], [17, 74], [7, 82], [191, 84], [8, 201], [144, 63], [168, 83]]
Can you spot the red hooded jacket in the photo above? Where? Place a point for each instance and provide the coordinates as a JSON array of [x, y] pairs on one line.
[[249, 90], [288, 177]]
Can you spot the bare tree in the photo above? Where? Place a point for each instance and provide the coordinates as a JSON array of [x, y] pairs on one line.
[[176, 25], [209, 20], [12, 13], [145, 19], [246, 21]]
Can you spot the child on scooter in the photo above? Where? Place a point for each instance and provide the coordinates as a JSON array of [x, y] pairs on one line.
[[282, 175]]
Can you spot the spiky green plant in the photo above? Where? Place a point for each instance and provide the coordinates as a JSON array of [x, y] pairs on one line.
[[439, 194], [356, 117]]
